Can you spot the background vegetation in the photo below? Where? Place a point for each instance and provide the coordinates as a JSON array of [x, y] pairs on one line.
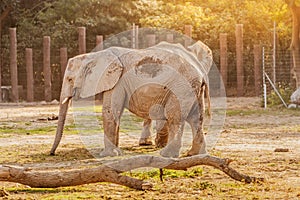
[[60, 19]]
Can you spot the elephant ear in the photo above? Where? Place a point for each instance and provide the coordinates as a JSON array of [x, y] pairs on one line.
[[101, 72], [203, 53]]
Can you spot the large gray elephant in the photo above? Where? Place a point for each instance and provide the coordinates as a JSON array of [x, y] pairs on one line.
[[161, 83]]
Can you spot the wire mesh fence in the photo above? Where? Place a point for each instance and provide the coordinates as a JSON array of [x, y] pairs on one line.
[[277, 66]]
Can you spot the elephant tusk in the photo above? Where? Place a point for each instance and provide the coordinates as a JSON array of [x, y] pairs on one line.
[[65, 100]]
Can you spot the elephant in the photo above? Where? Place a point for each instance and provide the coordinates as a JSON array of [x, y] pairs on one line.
[[163, 82], [204, 61]]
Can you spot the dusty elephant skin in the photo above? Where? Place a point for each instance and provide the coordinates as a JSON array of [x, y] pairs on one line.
[[198, 55], [161, 83]]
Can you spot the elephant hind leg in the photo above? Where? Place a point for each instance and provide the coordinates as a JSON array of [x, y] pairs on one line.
[[174, 141], [162, 134], [145, 139], [199, 144], [195, 119]]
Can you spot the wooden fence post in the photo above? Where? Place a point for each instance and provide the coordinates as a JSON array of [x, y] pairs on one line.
[[136, 36], [0, 60], [151, 40], [99, 42], [239, 59], [47, 68], [170, 38], [133, 36], [29, 72], [257, 50], [223, 57], [188, 30], [63, 61], [13, 64], [81, 40]]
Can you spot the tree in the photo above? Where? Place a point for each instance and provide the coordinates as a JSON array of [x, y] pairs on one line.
[[295, 42]]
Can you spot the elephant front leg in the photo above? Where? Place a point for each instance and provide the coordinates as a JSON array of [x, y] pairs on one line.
[[111, 128], [145, 139]]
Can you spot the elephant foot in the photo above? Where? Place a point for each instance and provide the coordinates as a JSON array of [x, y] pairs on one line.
[[145, 142], [161, 141], [111, 152], [171, 150], [193, 152]]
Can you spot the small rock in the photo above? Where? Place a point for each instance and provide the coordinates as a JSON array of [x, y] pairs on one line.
[[281, 150], [3, 193]]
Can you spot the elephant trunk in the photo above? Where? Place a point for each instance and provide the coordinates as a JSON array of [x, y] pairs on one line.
[[63, 108]]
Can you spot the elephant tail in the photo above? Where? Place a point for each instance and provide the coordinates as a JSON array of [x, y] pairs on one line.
[[208, 99]]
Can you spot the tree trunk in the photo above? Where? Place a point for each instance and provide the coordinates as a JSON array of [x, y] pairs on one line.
[[111, 172], [295, 43], [3, 15]]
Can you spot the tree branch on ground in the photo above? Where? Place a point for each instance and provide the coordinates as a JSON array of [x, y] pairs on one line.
[[112, 172]]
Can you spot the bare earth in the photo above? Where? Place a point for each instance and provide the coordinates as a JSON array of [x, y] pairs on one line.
[[250, 137]]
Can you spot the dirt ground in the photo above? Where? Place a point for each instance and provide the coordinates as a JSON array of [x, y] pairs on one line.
[[250, 136]]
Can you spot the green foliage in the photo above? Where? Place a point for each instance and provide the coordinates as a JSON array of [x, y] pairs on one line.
[[209, 18], [285, 92], [60, 19]]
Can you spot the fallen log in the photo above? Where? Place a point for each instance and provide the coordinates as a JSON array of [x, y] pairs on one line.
[[111, 172]]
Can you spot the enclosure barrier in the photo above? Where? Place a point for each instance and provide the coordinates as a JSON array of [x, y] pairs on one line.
[[246, 81]]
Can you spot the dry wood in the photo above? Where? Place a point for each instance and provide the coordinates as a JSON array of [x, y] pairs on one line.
[[112, 172]]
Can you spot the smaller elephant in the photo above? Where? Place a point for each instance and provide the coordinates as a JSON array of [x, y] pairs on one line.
[[162, 83]]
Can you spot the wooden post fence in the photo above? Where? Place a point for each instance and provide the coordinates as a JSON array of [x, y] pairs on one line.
[[257, 51], [47, 68], [239, 59], [29, 72], [188, 30], [63, 61], [81, 40], [223, 57], [13, 65], [135, 36], [151, 40], [99, 42], [170, 38]]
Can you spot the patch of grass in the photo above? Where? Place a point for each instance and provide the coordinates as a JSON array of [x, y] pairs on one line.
[[7, 131], [167, 173], [284, 90], [260, 111], [203, 185]]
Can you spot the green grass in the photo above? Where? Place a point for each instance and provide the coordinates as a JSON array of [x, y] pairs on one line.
[[8, 131], [167, 173], [268, 111]]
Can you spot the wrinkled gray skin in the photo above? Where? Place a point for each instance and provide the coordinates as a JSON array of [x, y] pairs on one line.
[[198, 55], [155, 84]]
